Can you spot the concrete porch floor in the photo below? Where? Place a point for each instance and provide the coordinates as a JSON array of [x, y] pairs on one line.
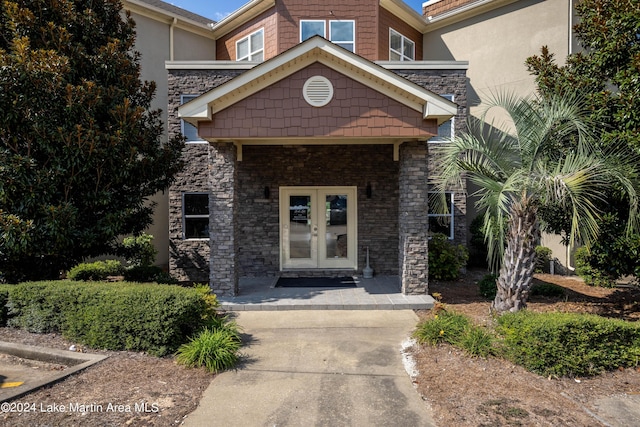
[[378, 293]]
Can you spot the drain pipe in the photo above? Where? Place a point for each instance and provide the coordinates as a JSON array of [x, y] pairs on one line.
[[171, 27]]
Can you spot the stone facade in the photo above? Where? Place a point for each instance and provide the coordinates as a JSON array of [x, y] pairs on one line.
[[244, 224]]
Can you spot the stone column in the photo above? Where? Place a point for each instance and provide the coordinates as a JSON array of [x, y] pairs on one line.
[[223, 214], [413, 220]]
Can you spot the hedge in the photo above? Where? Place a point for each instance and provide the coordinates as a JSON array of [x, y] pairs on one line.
[[569, 344], [115, 316]]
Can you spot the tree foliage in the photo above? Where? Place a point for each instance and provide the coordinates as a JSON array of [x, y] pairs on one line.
[[80, 150], [517, 168], [607, 72]]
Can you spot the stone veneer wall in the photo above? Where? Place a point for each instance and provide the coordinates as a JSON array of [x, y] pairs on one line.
[[257, 227], [317, 165]]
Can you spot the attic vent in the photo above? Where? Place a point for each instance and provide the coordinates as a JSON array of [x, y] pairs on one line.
[[318, 91]]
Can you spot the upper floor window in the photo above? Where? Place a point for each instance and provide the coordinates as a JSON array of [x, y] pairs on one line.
[[342, 33], [445, 130], [189, 131], [400, 47], [251, 48]]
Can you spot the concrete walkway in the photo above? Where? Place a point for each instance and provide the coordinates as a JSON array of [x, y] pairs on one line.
[[377, 293], [317, 368]]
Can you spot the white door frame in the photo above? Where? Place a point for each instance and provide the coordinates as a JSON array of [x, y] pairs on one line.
[[318, 229]]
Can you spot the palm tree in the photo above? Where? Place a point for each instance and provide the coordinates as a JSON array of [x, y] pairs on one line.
[[546, 153]]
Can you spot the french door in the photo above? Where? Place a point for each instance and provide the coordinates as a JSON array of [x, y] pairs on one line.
[[318, 227]]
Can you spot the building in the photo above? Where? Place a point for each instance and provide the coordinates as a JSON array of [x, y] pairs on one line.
[[496, 37], [311, 137]]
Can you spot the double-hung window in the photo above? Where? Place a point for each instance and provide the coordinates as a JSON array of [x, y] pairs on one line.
[[446, 129], [342, 32], [189, 131], [251, 48], [439, 221], [400, 47], [195, 215]]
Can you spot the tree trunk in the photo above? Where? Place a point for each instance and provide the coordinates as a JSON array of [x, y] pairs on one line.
[[518, 262]]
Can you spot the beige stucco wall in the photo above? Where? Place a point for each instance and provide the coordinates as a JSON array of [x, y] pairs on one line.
[[496, 44], [153, 42]]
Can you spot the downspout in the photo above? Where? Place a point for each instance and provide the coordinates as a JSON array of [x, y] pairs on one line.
[[570, 49], [173, 24]]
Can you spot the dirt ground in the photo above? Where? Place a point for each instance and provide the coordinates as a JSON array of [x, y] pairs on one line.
[[467, 391], [461, 390]]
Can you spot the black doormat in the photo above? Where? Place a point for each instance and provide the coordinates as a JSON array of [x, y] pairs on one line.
[[316, 282]]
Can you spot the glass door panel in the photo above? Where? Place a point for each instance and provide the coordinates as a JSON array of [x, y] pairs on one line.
[[318, 227], [300, 226]]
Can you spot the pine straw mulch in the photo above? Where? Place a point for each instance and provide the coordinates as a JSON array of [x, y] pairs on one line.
[[471, 391]]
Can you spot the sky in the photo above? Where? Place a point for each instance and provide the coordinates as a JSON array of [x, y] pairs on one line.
[[218, 9]]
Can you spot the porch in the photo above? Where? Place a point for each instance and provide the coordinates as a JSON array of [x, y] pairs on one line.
[[377, 293]]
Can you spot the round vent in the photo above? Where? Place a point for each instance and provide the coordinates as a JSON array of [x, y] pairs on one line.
[[318, 91]]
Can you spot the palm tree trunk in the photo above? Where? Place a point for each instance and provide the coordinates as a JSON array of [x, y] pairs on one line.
[[518, 263]]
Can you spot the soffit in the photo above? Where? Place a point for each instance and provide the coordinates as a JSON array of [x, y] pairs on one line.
[[162, 15], [247, 12], [317, 49]]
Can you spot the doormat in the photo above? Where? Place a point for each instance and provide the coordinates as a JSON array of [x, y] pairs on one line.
[[316, 282]]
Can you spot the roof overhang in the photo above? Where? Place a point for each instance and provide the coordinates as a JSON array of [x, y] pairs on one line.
[[406, 13], [468, 10], [246, 12], [161, 15], [318, 49]]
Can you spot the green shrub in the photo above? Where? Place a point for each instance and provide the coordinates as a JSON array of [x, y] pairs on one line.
[[213, 349], [613, 255], [543, 259], [445, 259], [547, 290], [147, 274], [567, 344], [591, 274], [139, 317], [96, 271], [4, 298], [456, 329], [488, 286], [476, 341], [446, 327], [138, 250]]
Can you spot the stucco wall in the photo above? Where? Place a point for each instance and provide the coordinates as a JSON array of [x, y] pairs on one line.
[[153, 42]]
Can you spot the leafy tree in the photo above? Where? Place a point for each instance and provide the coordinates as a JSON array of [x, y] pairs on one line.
[[518, 168], [607, 71], [80, 150]]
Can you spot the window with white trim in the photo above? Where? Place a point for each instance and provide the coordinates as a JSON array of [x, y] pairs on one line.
[[441, 222], [251, 48], [446, 129], [188, 130], [195, 215], [342, 32], [400, 47]]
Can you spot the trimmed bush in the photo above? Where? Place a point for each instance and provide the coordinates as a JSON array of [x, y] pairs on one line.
[[139, 317], [445, 259], [148, 274], [213, 349], [138, 250], [567, 344], [96, 271], [488, 286]]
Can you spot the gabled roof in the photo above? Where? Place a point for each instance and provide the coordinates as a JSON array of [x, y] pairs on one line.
[[318, 49], [255, 7]]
